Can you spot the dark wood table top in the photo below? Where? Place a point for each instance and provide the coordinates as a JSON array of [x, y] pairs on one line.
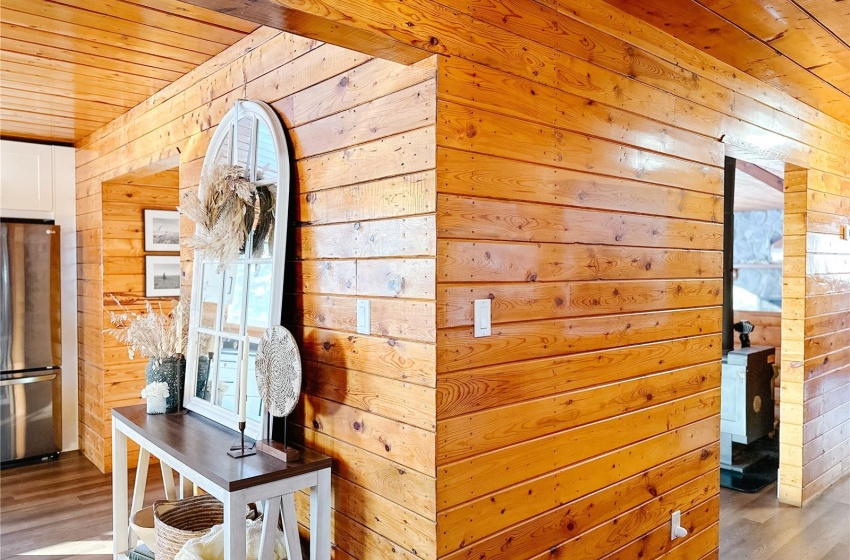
[[202, 445]]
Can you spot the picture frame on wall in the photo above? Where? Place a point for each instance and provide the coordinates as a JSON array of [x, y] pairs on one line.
[[162, 230], [162, 276]]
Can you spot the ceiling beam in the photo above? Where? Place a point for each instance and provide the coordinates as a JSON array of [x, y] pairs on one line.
[[319, 21], [761, 174]]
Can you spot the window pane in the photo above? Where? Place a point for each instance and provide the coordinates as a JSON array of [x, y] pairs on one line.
[[224, 151], [260, 298], [206, 366], [228, 374], [210, 296], [267, 164], [244, 132], [253, 403], [234, 290]]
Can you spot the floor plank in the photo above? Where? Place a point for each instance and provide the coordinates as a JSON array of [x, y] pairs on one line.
[[758, 527], [61, 509]]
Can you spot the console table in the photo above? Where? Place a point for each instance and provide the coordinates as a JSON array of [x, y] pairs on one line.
[[197, 449]]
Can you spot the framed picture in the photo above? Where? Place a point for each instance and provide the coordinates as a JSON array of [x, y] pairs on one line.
[[162, 276], [162, 230]]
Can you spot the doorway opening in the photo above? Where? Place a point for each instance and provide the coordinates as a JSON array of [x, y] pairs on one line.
[[752, 320]]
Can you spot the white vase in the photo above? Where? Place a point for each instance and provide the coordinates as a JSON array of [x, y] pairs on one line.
[[156, 405]]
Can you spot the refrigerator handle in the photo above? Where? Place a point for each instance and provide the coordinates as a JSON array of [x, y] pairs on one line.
[[25, 380], [5, 301]]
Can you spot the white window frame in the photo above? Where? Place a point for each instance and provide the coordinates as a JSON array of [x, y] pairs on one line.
[[262, 113]]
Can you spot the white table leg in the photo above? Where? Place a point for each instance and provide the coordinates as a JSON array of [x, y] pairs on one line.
[[120, 511], [139, 487], [271, 512], [234, 526], [290, 527], [168, 481], [187, 488], [320, 517]]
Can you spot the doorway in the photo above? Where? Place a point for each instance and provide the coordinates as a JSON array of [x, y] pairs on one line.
[[752, 318]]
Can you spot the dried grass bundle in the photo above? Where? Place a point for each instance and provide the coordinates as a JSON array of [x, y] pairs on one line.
[[224, 216], [153, 334]]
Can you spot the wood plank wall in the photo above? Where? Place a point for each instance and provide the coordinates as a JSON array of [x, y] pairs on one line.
[[364, 208], [90, 324], [580, 190], [601, 377], [362, 133], [112, 257], [815, 441], [578, 185]]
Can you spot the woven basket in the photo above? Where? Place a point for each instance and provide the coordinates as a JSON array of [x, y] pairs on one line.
[[176, 522]]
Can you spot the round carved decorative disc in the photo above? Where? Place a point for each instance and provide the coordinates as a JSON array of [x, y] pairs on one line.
[[278, 371]]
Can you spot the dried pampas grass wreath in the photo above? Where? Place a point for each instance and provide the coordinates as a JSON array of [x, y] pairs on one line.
[[230, 209]]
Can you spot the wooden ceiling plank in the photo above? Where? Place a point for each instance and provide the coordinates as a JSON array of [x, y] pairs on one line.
[[71, 89], [76, 106], [761, 174], [69, 76], [46, 118], [107, 22], [116, 81], [11, 42], [28, 134], [21, 103], [833, 15], [199, 14], [69, 67], [75, 61], [157, 19], [11, 125], [699, 26], [100, 36], [91, 48], [801, 84], [42, 116], [782, 25], [609, 19]]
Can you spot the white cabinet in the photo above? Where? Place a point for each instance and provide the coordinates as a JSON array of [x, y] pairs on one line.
[[26, 180]]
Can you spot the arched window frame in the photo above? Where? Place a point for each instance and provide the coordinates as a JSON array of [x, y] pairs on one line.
[[258, 112]]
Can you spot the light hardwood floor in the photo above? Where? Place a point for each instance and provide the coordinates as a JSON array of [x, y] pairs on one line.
[[758, 527], [60, 509], [63, 509]]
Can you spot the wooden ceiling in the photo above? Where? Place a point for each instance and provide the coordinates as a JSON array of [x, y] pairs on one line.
[[758, 188], [67, 67], [801, 47]]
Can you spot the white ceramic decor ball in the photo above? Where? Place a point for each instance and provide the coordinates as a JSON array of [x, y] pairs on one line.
[[278, 371]]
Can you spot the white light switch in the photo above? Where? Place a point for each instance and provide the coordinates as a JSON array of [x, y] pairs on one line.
[[364, 319], [482, 317], [845, 232]]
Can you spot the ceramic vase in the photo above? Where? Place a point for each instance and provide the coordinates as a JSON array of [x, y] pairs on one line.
[[172, 371]]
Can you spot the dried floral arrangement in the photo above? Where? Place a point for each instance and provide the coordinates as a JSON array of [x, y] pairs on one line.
[[153, 334], [231, 208]]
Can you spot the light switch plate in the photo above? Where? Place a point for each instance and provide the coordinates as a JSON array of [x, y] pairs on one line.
[[364, 317], [482, 317], [845, 231]]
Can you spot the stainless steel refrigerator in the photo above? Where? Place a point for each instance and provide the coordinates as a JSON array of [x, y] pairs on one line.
[[30, 341]]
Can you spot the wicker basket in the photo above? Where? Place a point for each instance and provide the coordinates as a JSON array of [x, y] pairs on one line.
[[178, 521]]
